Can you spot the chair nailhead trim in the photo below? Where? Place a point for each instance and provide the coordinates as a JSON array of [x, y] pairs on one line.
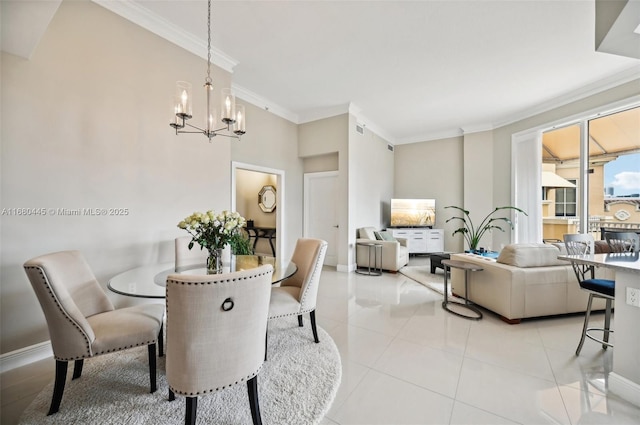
[[212, 390], [45, 280], [323, 248], [214, 282]]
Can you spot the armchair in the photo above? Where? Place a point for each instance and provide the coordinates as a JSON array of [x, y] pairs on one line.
[[395, 253]]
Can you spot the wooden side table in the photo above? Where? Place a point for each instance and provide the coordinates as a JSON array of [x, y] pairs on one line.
[[375, 249], [467, 267]]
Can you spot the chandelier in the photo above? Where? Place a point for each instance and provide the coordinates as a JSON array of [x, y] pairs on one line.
[[232, 118]]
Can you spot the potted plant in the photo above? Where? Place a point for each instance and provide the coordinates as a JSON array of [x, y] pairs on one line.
[[473, 234]]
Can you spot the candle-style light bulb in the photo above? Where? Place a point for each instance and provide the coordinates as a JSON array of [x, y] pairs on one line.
[[239, 125], [183, 100], [228, 107], [184, 97]]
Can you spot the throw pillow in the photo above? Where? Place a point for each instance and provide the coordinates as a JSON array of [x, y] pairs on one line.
[[530, 255], [378, 236], [386, 236]]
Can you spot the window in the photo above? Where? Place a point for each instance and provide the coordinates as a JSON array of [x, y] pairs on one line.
[[566, 200]]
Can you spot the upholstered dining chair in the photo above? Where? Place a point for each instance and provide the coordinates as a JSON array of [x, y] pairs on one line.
[[186, 257], [583, 244], [215, 334], [297, 295], [82, 321], [620, 242]]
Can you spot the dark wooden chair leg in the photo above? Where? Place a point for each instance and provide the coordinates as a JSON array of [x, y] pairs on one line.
[[58, 388], [190, 414], [161, 341], [152, 366], [172, 395], [300, 320], [313, 326], [266, 336], [252, 387], [77, 368]]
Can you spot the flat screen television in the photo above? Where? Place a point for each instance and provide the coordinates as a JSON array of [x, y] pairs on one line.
[[413, 212]]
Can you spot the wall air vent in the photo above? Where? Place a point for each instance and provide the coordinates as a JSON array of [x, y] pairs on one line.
[[360, 128], [390, 147]]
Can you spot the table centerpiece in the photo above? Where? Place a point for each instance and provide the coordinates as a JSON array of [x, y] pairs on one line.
[[213, 232]]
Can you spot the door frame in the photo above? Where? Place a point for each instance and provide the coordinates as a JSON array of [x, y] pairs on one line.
[[280, 197]]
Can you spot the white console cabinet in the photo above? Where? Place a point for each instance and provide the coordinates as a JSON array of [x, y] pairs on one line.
[[421, 241]]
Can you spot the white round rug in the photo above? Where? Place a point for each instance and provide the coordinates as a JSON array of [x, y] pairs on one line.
[[296, 385]]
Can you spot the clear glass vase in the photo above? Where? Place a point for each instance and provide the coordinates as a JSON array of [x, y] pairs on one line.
[[214, 261]]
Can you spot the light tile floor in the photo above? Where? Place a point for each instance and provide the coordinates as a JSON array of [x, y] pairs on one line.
[[407, 361]]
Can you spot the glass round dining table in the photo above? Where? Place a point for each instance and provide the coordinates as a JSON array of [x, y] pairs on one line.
[[150, 281]]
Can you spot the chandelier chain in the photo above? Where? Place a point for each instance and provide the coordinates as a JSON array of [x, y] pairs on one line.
[[208, 80]]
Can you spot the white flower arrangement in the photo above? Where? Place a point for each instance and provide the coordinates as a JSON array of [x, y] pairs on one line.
[[213, 231]]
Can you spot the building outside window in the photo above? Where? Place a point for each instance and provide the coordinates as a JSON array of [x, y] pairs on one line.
[[566, 201]]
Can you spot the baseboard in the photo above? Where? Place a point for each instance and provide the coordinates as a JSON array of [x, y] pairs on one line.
[[25, 356], [345, 268], [625, 388]]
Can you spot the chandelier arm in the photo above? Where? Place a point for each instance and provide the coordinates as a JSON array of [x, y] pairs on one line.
[[211, 134], [231, 136], [201, 130]]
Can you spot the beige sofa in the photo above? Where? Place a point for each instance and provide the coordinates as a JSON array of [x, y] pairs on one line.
[[527, 280], [395, 253]]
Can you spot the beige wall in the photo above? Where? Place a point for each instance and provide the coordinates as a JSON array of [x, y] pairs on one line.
[[320, 163], [478, 190], [433, 170], [365, 180], [324, 139], [85, 125], [371, 166]]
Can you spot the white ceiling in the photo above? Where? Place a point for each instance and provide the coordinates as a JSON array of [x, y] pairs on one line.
[[410, 70]]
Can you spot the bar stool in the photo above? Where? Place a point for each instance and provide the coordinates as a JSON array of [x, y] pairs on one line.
[[583, 244]]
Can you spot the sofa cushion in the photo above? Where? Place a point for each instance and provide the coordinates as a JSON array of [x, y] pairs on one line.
[[367, 233], [530, 255]]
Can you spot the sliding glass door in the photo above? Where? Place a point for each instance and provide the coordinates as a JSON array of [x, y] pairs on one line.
[[591, 176]]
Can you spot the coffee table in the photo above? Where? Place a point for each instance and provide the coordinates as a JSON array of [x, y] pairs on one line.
[[436, 260]]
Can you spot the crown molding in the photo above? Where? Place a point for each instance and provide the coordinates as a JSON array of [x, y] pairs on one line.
[[148, 20], [477, 128], [362, 119], [428, 137], [322, 113], [625, 76], [261, 102]]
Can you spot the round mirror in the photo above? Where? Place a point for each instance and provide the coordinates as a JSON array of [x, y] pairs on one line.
[[267, 198]]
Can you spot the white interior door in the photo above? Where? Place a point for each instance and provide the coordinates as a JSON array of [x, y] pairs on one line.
[[321, 211]]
